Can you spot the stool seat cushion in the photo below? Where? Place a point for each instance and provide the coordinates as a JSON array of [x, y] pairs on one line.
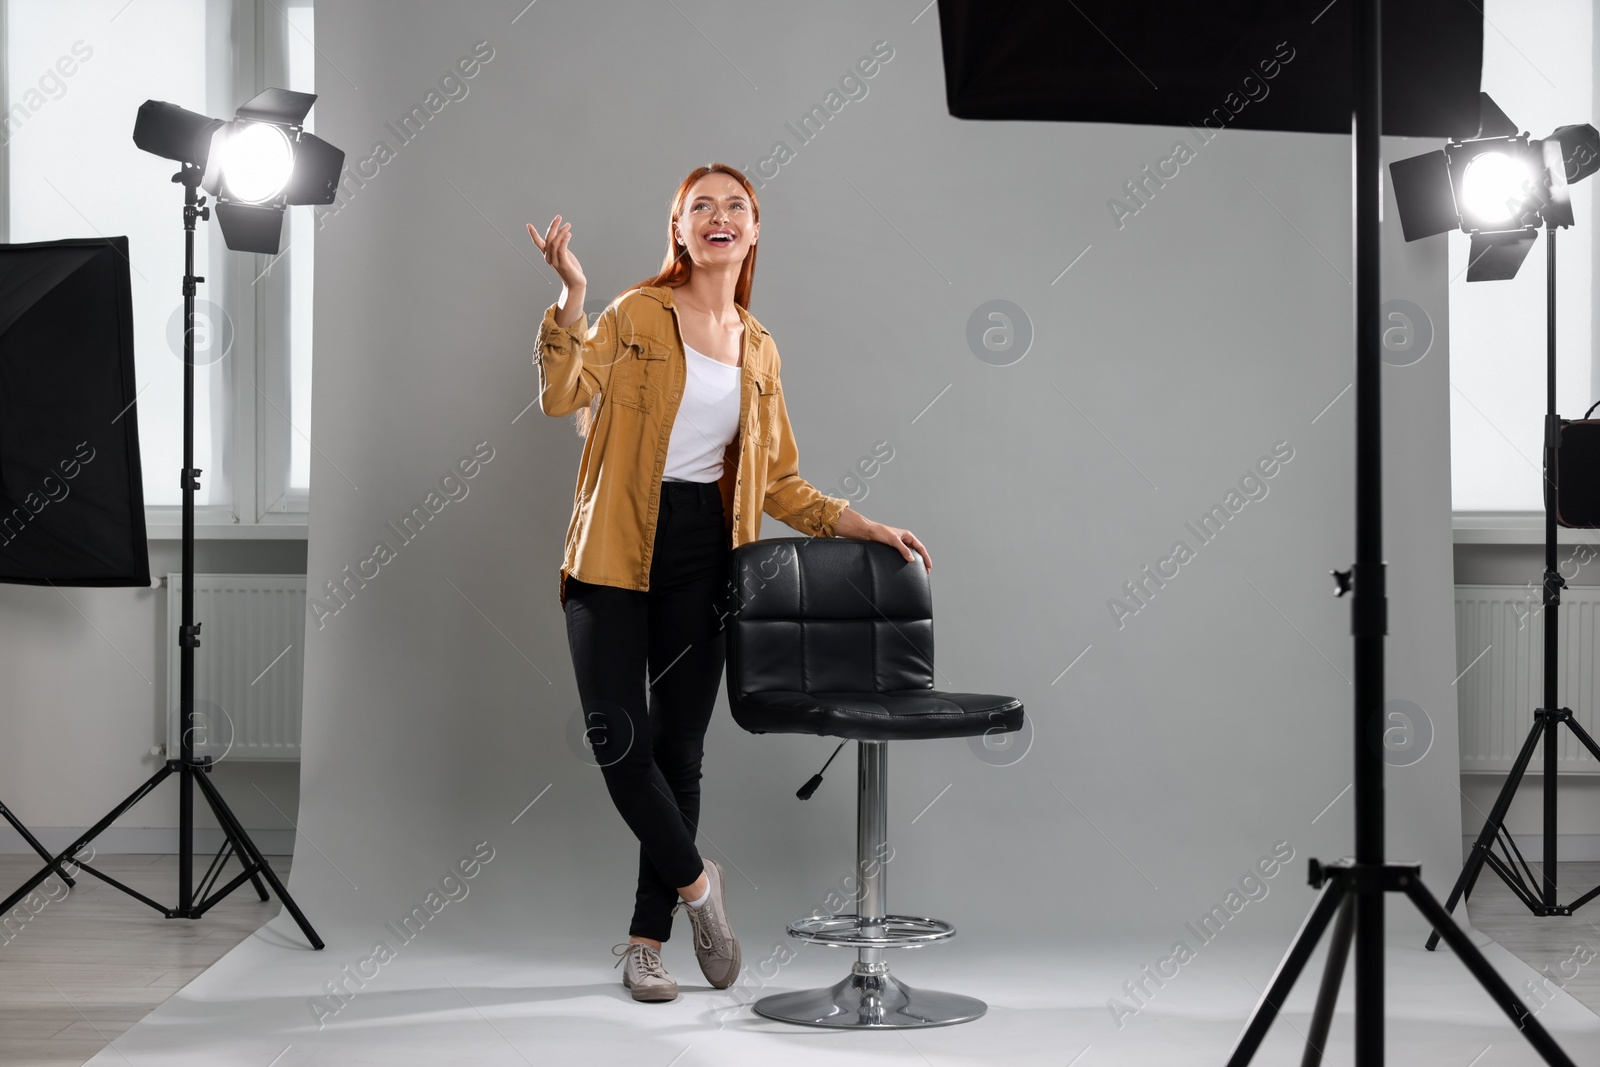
[[908, 713]]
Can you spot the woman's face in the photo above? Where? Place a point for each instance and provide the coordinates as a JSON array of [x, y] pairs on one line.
[[715, 226]]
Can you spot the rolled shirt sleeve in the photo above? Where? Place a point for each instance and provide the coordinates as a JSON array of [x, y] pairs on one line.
[[573, 362]]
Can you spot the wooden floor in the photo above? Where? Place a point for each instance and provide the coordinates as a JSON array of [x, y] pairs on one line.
[[84, 969], [1560, 942]]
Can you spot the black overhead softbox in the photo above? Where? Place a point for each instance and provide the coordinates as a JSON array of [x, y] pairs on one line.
[[71, 490], [1245, 64]]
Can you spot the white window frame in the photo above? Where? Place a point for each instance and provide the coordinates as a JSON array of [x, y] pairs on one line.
[[276, 502], [247, 51], [253, 289]]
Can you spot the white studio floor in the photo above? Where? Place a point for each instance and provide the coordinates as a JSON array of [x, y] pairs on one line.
[[1047, 1006]]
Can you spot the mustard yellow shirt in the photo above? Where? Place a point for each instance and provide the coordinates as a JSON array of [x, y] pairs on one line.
[[629, 368]]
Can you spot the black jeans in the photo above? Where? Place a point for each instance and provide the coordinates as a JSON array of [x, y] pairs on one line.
[[667, 642]]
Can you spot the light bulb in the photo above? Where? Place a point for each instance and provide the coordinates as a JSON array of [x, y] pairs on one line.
[[1494, 188], [257, 162]]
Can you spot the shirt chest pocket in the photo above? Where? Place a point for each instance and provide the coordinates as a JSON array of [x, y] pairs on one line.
[[766, 413], [639, 375]]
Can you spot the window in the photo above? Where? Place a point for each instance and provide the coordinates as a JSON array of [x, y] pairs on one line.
[[1538, 66], [287, 396], [75, 75]]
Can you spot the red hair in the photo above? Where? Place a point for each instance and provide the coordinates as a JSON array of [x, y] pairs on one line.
[[676, 266]]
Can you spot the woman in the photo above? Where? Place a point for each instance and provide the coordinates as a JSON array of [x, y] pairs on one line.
[[687, 442]]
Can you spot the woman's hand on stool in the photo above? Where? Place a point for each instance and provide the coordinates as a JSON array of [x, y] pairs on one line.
[[854, 524]]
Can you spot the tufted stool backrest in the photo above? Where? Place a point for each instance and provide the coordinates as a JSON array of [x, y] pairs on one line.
[[828, 615]]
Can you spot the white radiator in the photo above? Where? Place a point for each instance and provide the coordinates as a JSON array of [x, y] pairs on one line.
[[248, 668], [1496, 695]]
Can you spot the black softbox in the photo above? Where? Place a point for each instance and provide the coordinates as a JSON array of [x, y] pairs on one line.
[[71, 489], [1218, 64]]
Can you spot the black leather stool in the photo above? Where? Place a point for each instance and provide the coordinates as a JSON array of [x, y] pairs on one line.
[[834, 636]]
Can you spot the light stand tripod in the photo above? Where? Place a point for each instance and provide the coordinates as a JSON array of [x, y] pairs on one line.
[[190, 771], [1355, 889], [1546, 718]]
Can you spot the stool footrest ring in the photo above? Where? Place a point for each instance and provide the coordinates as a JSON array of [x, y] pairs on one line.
[[889, 931]]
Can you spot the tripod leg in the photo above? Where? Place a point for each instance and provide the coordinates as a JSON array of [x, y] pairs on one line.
[[94, 831], [239, 850], [1266, 1010], [1486, 975], [1332, 975], [1584, 738], [226, 817], [1491, 828], [219, 863], [1508, 849], [33, 842]]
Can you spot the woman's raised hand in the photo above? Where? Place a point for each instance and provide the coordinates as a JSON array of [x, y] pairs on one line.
[[556, 253]]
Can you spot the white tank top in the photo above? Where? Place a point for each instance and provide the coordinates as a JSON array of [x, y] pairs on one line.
[[707, 419]]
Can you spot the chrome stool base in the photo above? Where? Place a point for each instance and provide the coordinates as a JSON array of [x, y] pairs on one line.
[[870, 998], [870, 1002]]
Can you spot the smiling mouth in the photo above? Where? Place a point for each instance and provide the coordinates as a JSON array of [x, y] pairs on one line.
[[719, 238]]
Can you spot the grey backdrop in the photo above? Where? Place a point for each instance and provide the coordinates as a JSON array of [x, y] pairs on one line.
[[1177, 350]]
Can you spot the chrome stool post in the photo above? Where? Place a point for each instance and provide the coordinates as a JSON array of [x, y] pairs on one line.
[[869, 997]]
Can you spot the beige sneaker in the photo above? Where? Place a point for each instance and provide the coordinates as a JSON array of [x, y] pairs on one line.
[[644, 974], [714, 944]]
